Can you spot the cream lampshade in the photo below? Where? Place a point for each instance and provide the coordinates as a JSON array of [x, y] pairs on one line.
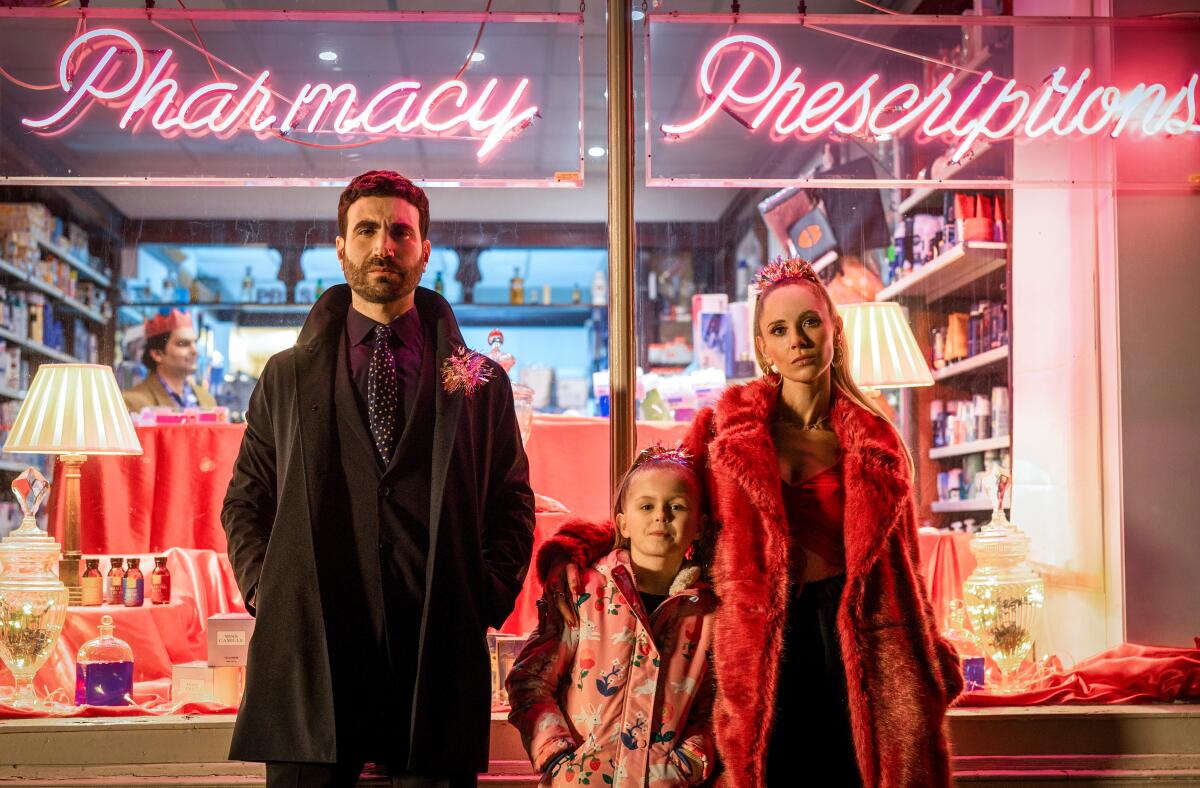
[[73, 410], [883, 352]]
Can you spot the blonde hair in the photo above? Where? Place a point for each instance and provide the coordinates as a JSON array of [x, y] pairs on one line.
[[840, 380]]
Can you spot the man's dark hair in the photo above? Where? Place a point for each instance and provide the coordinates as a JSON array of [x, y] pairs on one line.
[[157, 342], [383, 183]]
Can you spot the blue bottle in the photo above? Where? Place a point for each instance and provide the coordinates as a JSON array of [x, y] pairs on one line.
[[104, 670]]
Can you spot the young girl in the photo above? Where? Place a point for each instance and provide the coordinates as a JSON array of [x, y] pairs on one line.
[[624, 697]]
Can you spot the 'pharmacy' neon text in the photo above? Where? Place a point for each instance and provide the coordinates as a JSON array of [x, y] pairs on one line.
[[221, 108]]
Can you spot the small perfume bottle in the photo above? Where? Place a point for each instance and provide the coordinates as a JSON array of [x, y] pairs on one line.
[[114, 587], [576, 294], [248, 286], [516, 288], [439, 284], [104, 670], [967, 644], [135, 585], [93, 583], [160, 582]]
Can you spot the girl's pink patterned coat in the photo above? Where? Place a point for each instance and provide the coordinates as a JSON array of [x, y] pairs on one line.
[[620, 691]]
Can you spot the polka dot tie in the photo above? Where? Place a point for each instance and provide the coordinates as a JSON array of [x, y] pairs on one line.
[[383, 394]]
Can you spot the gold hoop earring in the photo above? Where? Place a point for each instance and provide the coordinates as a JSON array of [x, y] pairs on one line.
[[771, 373]]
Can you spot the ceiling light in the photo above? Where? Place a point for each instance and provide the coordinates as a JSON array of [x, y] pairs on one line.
[[329, 56], [596, 151], [477, 57], [638, 15]]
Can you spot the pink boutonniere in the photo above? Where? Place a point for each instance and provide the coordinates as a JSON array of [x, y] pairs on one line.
[[465, 370]]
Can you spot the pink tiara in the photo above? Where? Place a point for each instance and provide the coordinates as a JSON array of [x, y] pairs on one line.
[[781, 270], [660, 453]]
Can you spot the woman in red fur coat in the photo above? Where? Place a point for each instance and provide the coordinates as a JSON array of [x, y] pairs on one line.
[[829, 667]]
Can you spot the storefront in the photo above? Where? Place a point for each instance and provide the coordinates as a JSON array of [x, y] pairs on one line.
[[1022, 185]]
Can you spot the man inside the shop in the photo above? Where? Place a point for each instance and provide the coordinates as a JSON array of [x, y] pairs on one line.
[[170, 357], [379, 519]]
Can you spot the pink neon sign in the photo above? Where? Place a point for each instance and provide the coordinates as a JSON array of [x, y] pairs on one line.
[[1059, 106], [151, 95]]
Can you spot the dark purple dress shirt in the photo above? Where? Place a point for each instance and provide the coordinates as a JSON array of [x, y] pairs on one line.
[[408, 346]]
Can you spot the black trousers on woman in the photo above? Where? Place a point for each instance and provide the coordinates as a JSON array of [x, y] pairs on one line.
[[811, 743]]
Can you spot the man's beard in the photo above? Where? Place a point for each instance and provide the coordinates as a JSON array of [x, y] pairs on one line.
[[382, 291]]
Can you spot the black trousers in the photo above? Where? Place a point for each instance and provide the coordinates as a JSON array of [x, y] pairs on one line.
[[345, 775], [811, 743]]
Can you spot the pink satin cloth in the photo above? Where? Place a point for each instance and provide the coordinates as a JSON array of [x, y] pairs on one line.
[[202, 584], [946, 561], [169, 496], [1127, 673], [569, 456]]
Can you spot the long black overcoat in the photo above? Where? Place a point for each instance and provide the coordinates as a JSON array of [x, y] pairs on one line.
[[480, 538]]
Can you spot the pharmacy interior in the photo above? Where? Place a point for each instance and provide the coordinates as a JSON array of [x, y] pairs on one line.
[[984, 194]]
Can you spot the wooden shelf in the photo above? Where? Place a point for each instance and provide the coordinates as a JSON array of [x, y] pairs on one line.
[[972, 364], [949, 272], [959, 449], [7, 393], [969, 505], [52, 291], [38, 347], [83, 268]]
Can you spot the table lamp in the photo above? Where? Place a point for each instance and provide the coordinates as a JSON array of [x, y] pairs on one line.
[[883, 353], [73, 410]]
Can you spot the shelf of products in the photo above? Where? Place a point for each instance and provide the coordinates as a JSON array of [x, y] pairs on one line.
[[83, 268], [959, 449], [476, 315], [918, 196], [37, 347], [969, 505], [29, 280], [950, 272], [972, 363], [7, 393]]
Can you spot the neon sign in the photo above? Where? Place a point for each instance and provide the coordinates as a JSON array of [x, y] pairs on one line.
[[150, 95], [1059, 106]]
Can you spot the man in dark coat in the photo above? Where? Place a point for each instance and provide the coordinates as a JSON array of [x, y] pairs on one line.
[[379, 519]]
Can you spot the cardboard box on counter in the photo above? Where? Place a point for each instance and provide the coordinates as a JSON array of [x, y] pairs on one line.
[[197, 682], [228, 638]]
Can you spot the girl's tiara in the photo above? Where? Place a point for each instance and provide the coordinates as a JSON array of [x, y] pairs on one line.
[[781, 270], [660, 453]]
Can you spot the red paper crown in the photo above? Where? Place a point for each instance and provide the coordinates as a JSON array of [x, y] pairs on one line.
[[781, 270], [166, 323], [660, 453]]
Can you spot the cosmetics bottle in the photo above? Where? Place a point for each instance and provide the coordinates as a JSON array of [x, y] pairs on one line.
[[115, 582], [92, 583], [134, 586]]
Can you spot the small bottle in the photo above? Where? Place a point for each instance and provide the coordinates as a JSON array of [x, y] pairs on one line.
[[248, 286], [439, 284], [93, 583], [546, 294], [104, 670], [135, 585], [576, 294], [160, 582], [113, 589], [599, 289], [516, 288], [967, 644], [320, 287]]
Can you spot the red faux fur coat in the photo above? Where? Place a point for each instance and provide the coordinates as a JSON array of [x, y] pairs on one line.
[[900, 674]]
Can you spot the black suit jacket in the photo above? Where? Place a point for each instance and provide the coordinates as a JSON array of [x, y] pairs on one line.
[[480, 538]]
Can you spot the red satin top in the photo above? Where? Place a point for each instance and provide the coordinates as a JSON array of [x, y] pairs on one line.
[[815, 509]]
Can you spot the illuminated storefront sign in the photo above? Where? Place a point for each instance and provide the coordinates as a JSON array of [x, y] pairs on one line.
[[150, 96], [1062, 105]]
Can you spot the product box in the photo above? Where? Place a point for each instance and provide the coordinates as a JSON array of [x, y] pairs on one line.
[[712, 334], [198, 682], [228, 638], [27, 217]]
